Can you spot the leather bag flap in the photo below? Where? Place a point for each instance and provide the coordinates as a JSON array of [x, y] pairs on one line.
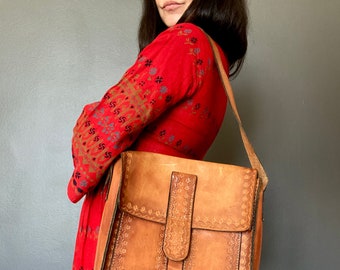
[[225, 196]]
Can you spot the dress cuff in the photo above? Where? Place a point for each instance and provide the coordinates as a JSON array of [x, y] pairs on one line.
[[74, 193]]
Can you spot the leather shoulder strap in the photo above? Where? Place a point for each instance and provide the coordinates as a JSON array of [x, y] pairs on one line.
[[254, 160]]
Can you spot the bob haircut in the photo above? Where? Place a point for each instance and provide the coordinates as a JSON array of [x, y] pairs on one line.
[[226, 21]]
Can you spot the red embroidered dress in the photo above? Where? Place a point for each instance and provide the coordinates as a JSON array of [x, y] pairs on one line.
[[170, 101]]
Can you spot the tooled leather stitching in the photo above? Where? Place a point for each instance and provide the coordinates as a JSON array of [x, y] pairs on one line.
[[233, 244], [143, 212], [178, 227], [160, 258], [189, 263], [246, 209], [122, 241], [213, 223], [245, 254], [136, 210], [217, 223]]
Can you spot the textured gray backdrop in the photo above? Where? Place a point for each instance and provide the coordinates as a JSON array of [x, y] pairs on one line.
[[57, 55]]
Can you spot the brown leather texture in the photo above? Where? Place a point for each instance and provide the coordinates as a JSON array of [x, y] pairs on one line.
[[176, 213]]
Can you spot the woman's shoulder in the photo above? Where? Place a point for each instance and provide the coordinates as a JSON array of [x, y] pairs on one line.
[[184, 30], [187, 29], [179, 39]]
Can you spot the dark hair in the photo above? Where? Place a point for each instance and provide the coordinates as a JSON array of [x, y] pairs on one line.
[[226, 21]]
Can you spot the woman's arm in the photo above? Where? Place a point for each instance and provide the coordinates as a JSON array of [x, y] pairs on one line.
[[167, 71]]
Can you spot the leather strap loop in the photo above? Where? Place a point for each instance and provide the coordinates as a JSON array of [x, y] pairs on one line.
[[179, 216]]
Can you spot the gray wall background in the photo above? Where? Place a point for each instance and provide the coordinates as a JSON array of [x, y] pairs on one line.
[[56, 56]]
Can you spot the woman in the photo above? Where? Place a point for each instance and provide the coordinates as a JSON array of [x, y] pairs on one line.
[[170, 101]]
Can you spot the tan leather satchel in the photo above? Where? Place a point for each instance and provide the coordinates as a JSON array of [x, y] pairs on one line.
[[165, 212]]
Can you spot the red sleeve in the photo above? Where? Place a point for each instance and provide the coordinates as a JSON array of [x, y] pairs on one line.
[[168, 70]]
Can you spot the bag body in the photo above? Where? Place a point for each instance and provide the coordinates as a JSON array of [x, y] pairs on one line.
[[176, 213]]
